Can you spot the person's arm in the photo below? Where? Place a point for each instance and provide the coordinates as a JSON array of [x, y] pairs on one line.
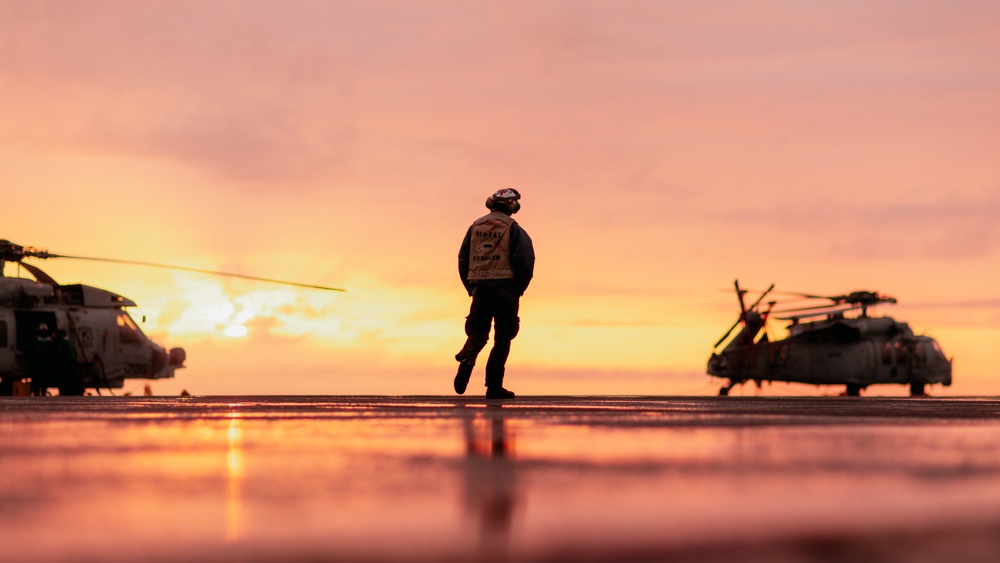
[[522, 257], [463, 260]]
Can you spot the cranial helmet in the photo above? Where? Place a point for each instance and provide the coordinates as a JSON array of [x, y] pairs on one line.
[[504, 200]]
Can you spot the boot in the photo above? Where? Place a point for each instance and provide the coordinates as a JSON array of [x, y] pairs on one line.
[[498, 393], [462, 377]]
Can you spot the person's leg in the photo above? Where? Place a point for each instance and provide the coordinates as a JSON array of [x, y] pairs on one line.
[[477, 330], [506, 325], [496, 364]]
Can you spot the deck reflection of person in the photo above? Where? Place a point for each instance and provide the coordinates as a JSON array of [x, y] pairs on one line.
[[496, 263], [490, 480]]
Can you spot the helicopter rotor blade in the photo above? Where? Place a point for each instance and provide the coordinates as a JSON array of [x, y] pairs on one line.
[[780, 292], [761, 298], [810, 295], [728, 332], [739, 294], [813, 308], [837, 310], [743, 310], [187, 269], [767, 312], [40, 276], [834, 298]]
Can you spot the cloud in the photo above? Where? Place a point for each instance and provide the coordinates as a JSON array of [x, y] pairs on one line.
[[309, 92], [942, 230]]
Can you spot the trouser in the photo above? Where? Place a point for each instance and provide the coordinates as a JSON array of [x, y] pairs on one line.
[[502, 313]]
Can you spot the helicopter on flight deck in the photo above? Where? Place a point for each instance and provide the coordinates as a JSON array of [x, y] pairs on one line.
[[74, 337], [842, 346]]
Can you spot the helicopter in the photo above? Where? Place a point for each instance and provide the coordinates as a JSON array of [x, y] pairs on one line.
[[75, 337], [831, 342]]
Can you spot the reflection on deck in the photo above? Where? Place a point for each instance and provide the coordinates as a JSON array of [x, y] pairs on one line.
[[234, 464], [490, 486], [428, 478]]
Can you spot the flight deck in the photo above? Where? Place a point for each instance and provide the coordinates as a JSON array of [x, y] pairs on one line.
[[291, 478]]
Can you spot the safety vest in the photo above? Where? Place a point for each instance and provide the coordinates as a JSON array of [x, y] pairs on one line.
[[489, 248]]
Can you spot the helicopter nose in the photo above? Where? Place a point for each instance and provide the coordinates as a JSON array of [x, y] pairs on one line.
[[159, 358], [177, 357]]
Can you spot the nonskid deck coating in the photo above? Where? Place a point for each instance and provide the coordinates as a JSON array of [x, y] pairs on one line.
[[537, 478]]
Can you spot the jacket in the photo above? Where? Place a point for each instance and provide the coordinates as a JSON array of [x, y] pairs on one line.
[[521, 259]]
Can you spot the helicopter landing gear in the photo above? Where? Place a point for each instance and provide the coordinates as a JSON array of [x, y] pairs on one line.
[[6, 386], [724, 391], [917, 389], [853, 390]]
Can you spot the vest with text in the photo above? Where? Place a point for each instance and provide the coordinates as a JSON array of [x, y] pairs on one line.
[[489, 248]]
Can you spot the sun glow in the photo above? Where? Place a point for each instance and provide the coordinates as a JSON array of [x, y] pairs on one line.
[[201, 308], [236, 331]]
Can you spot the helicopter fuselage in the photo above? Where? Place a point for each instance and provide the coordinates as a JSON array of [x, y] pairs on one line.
[[75, 337], [856, 352]]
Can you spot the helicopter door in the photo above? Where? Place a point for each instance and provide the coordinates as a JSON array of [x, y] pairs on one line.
[[32, 323], [8, 339]]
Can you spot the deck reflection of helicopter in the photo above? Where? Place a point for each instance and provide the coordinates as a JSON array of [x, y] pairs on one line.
[[844, 346], [75, 337]]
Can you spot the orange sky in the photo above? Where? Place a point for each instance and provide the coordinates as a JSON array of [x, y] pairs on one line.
[[663, 149]]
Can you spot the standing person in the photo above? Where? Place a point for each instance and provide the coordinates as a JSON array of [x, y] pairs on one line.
[[496, 263], [41, 359]]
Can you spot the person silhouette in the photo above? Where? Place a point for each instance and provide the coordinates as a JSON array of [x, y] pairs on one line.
[[496, 263]]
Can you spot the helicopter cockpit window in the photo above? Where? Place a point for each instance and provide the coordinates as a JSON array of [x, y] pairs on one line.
[[895, 352], [127, 329]]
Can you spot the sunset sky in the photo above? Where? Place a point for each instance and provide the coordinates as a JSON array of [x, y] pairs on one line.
[[662, 148]]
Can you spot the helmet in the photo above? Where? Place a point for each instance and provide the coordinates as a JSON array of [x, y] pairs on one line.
[[504, 200]]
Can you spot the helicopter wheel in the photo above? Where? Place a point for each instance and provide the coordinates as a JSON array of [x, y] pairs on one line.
[[853, 390], [917, 390], [6, 387], [724, 392]]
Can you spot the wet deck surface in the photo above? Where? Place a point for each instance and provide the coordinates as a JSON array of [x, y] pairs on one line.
[[536, 479]]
